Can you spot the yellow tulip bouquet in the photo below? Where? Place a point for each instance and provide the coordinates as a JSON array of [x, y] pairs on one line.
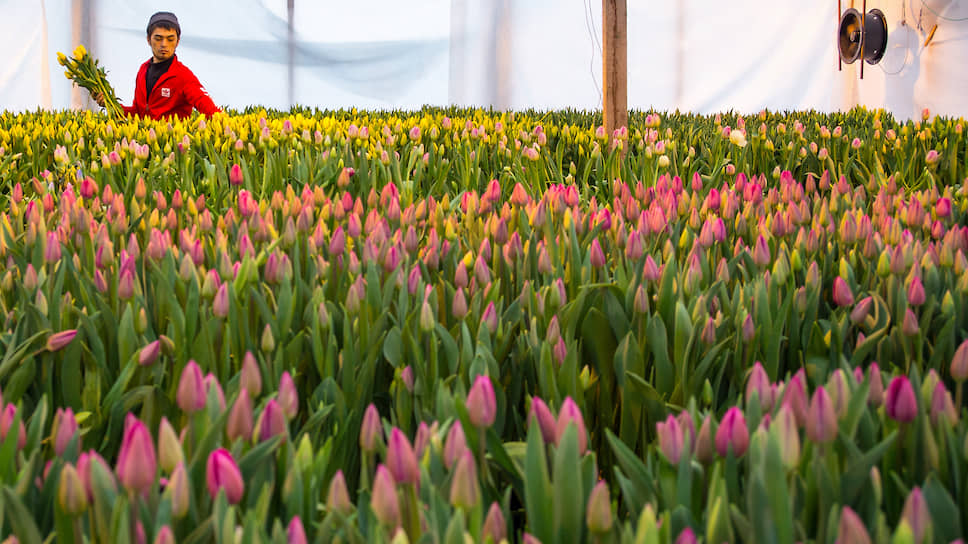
[[85, 71]]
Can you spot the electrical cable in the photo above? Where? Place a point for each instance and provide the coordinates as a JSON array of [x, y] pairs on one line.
[[907, 52], [590, 27]]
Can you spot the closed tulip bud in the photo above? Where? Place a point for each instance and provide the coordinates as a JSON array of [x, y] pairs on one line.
[[52, 249], [272, 422], [489, 318], [959, 363], [64, 429], [268, 342], [942, 406], [178, 491], [383, 500], [137, 462], [495, 528], [191, 389], [401, 459], [169, 448], [670, 439], [570, 413], [235, 175], [851, 529], [596, 255], [406, 376], [541, 415], [686, 537], [915, 292], [708, 335], [749, 329], [60, 340], [295, 533], [641, 301], [821, 418], [481, 403], [71, 495], [427, 320], [842, 295], [288, 396], [6, 420], [916, 514], [761, 252], [338, 497], [459, 306], [900, 403], [221, 472], [598, 513], [465, 490], [211, 384], [759, 383], [150, 353], [371, 433], [704, 442], [455, 445], [861, 310], [251, 378], [910, 325], [165, 536], [732, 434], [795, 396], [220, 305], [785, 427], [875, 395]]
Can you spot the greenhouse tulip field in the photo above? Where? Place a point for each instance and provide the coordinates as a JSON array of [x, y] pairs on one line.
[[457, 325]]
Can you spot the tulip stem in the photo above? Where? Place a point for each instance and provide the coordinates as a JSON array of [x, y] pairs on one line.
[[958, 397]]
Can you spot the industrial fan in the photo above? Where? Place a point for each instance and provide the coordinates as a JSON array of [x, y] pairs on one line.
[[861, 35]]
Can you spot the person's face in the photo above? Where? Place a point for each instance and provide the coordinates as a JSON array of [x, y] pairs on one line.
[[163, 43]]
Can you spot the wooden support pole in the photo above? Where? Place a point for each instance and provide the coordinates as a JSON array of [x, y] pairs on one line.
[[615, 65]]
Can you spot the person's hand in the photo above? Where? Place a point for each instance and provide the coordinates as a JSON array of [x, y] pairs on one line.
[[98, 97]]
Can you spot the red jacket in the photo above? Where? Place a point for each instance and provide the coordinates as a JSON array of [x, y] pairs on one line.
[[176, 93]]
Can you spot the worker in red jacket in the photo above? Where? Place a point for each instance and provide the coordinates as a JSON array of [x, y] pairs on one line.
[[165, 87]]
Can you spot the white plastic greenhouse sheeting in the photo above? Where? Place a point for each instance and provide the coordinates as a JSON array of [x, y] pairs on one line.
[[696, 55]]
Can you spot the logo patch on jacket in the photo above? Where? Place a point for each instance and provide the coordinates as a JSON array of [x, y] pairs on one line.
[[166, 92]]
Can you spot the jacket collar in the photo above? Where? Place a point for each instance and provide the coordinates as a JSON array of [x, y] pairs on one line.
[[169, 72]]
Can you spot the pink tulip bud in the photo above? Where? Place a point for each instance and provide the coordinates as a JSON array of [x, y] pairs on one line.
[[220, 305], [221, 472], [749, 329], [759, 383], [288, 396], [272, 422], [861, 310], [875, 396], [761, 252], [371, 432], [916, 514], [165, 536], [338, 497], [191, 389], [465, 491], [150, 353], [942, 406], [570, 413], [704, 442], [64, 430], [910, 325], [383, 501], [454, 446], [52, 249], [481, 403], [842, 295], [250, 379], [494, 527], [60, 340], [401, 459], [211, 384], [541, 415], [686, 537], [295, 533], [851, 529], [901, 403], [239, 424], [489, 318], [732, 434], [821, 418], [959, 363], [459, 306], [137, 463], [235, 175], [915, 292], [598, 512], [596, 256], [670, 439]]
